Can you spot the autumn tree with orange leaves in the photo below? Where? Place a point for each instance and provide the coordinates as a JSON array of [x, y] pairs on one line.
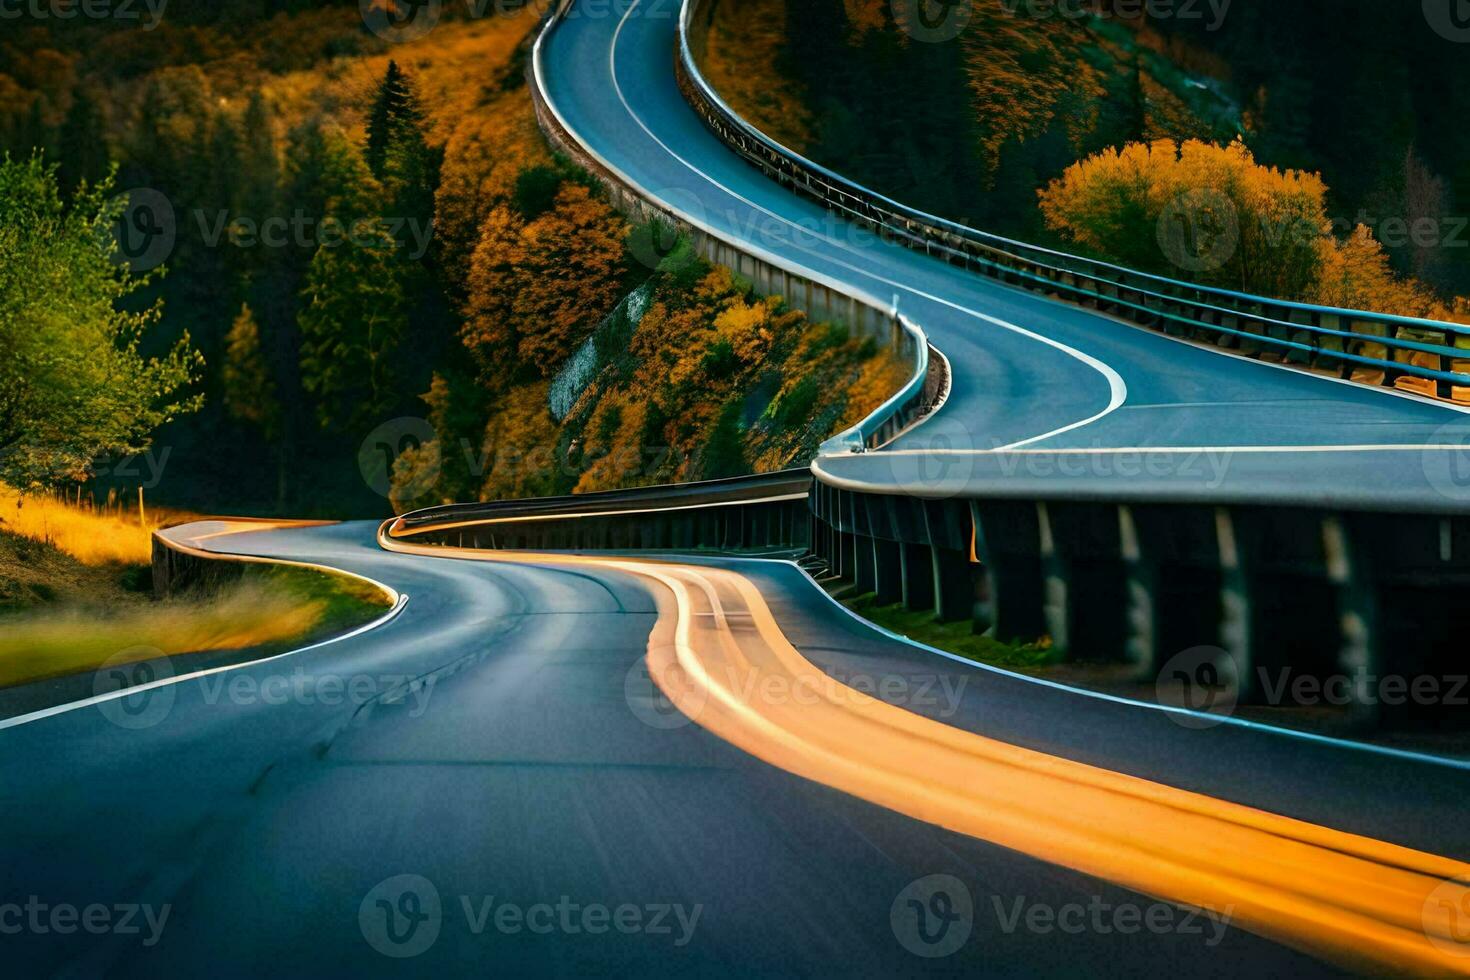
[[524, 316], [1211, 214]]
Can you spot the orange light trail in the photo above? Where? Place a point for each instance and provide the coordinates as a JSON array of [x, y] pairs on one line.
[[1354, 900]]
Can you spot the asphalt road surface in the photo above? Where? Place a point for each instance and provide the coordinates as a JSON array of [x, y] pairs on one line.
[[499, 740]]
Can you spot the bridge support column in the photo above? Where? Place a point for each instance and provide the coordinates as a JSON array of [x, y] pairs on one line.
[[954, 588], [917, 570], [1008, 544], [888, 571], [1082, 562], [864, 566]]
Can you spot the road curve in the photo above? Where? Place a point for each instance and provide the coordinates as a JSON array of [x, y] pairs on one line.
[[1028, 372], [499, 741], [532, 760]]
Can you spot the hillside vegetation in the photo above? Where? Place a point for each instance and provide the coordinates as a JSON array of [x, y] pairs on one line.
[[373, 265]]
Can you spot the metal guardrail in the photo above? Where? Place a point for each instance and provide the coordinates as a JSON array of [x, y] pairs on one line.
[[819, 296], [1426, 357], [767, 511]]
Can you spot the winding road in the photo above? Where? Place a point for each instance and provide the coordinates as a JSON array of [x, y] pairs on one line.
[[490, 780]]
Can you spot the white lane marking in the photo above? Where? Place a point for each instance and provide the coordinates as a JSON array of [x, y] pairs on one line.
[[1194, 450], [1227, 720], [1117, 388]]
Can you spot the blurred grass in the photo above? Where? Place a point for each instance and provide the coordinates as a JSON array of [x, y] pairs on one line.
[[75, 590], [94, 534], [270, 607]]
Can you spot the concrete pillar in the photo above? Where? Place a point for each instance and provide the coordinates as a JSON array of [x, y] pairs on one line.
[[1007, 542], [954, 586], [916, 567], [888, 571], [865, 563]]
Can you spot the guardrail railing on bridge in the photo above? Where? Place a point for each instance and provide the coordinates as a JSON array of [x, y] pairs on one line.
[[1424, 357], [1320, 590]]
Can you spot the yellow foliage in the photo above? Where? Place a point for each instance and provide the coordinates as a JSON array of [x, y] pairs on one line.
[[538, 288], [745, 40], [1213, 215], [519, 448], [92, 535]]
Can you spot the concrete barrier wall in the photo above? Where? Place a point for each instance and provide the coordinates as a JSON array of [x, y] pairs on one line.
[[821, 300]]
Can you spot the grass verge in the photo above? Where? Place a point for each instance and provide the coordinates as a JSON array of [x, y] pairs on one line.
[[60, 615], [269, 608], [957, 638]]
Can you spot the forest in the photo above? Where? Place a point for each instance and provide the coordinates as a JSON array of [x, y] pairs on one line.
[[354, 274]]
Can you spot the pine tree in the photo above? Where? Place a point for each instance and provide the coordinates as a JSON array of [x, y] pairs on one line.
[[250, 393], [260, 165], [395, 108], [354, 314], [399, 156]]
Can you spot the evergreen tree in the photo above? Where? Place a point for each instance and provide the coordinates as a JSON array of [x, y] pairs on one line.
[[354, 314], [399, 156], [260, 165], [724, 454], [250, 393]]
